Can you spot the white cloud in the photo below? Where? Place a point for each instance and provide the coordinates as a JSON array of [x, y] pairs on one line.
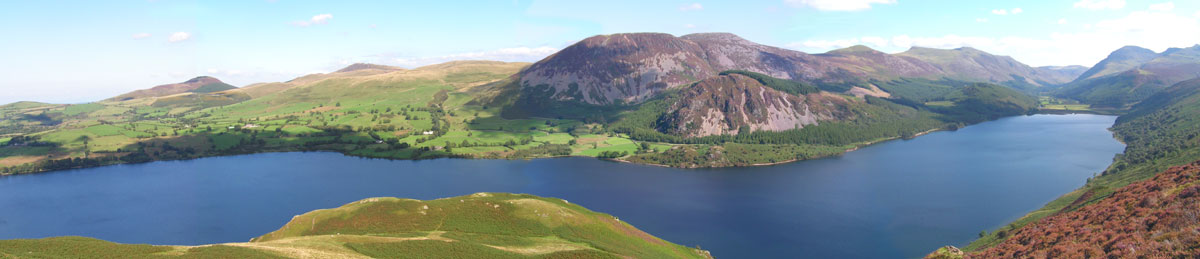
[[1100, 4], [1062, 21], [981, 19], [138, 36], [519, 54], [689, 26], [1162, 7], [178, 37], [691, 7], [1007, 12], [315, 20], [1197, 15], [837, 5]]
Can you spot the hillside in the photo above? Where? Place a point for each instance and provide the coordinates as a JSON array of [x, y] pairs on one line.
[[482, 225], [203, 84], [634, 67], [366, 66], [1159, 133], [1062, 74], [977, 102], [1155, 218], [641, 97], [1122, 59], [969, 64], [1120, 89]]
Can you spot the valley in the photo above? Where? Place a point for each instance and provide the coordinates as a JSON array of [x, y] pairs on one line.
[[704, 100], [485, 109]]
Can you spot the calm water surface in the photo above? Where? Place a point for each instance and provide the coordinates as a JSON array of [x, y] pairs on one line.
[[895, 199]]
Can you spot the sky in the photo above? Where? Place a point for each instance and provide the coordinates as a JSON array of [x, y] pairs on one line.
[[83, 51]]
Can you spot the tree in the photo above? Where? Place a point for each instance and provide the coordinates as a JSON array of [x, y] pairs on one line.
[[85, 139]]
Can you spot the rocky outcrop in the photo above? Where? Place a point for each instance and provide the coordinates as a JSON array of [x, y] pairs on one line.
[[632, 67], [733, 103]]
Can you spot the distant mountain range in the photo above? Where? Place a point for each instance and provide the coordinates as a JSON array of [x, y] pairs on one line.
[[632, 67], [698, 100], [1131, 74]]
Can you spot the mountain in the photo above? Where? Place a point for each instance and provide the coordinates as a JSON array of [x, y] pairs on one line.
[[202, 84], [1062, 73], [364, 66], [1120, 89], [735, 103], [633, 67], [1159, 133], [1155, 218], [979, 102], [970, 64], [1122, 59], [481, 225]]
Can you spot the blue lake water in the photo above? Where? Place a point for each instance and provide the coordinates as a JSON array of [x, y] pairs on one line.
[[894, 199]]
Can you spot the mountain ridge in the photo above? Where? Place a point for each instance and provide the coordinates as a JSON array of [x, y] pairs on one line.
[[200, 84], [633, 67], [1144, 74]]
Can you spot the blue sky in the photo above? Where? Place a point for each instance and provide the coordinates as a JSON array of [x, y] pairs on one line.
[[80, 51]]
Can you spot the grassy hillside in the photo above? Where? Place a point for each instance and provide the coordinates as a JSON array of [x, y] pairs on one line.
[[979, 102], [426, 112], [482, 225], [872, 120], [1146, 77], [472, 109], [1155, 218], [1159, 133]]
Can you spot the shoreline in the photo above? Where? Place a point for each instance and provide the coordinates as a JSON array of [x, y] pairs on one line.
[[848, 150]]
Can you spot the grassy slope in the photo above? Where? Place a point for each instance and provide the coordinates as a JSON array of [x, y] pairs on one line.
[[388, 113], [391, 106], [1159, 133], [483, 225]]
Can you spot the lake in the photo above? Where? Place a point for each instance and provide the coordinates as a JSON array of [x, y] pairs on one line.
[[899, 198]]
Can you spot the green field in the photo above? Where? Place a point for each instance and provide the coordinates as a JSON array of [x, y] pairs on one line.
[[1051, 103], [420, 113]]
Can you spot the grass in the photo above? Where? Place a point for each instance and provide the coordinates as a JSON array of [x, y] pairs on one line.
[[86, 108], [940, 103], [1052, 103], [482, 225], [76, 247], [104, 130]]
